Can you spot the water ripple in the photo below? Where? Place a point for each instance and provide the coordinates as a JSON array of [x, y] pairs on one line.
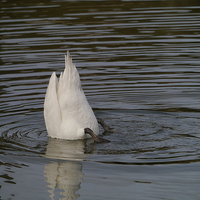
[[139, 68]]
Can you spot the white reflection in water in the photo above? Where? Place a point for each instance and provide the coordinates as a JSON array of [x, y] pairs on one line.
[[65, 173]]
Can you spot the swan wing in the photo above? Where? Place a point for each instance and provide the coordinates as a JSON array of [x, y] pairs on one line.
[[52, 113]]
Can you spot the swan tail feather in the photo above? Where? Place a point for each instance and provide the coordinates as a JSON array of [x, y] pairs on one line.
[[70, 77]]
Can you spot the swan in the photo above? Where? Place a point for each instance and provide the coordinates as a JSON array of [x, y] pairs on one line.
[[67, 112]]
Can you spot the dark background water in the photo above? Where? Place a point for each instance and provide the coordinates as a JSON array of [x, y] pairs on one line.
[[139, 66]]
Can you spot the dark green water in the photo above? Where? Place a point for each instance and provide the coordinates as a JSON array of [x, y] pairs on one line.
[[139, 66]]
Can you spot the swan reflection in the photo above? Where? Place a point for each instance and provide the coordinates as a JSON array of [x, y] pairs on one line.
[[65, 171]]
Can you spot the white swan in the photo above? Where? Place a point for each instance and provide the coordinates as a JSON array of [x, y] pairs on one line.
[[67, 112]]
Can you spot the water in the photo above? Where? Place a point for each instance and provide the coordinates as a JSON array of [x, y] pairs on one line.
[[139, 66]]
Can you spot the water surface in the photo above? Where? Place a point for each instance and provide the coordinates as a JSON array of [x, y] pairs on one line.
[[139, 67]]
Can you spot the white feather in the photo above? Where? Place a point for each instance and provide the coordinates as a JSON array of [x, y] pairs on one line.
[[66, 110]]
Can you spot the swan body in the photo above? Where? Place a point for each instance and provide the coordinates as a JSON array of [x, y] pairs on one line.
[[66, 110]]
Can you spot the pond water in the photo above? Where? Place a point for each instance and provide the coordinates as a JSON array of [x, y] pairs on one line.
[[139, 67]]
